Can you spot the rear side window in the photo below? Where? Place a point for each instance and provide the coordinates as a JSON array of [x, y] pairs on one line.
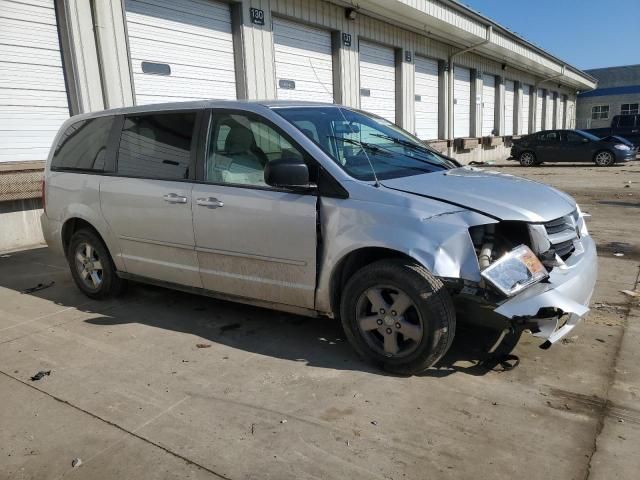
[[626, 121], [157, 146], [83, 146]]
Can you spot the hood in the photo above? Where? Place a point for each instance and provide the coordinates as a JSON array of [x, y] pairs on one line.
[[502, 196]]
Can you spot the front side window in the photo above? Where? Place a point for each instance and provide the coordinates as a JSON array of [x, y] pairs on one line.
[[629, 109], [549, 137], [240, 147], [572, 137], [599, 112], [83, 146], [157, 146], [363, 145]]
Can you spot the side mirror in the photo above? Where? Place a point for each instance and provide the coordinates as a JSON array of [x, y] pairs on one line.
[[288, 173]]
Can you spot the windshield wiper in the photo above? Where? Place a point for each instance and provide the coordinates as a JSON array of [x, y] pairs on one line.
[[368, 146], [413, 146]]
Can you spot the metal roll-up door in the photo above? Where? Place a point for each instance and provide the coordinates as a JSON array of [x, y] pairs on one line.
[[526, 109], [488, 104], [539, 109], [304, 62], [378, 80], [33, 96], [548, 118], [426, 91], [509, 104], [461, 102], [180, 50]]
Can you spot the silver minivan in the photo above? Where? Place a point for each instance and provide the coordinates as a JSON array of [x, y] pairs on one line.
[[319, 210]]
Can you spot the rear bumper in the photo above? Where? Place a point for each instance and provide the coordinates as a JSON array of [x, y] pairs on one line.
[[52, 232], [568, 290]]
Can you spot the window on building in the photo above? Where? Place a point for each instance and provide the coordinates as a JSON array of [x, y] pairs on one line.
[[629, 109], [83, 146], [157, 146], [599, 112]]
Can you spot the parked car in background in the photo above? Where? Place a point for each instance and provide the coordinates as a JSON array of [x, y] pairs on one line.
[[571, 146], [315, 209], [625, 126]]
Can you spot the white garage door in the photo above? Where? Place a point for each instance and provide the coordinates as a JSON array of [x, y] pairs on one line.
[[539, 109], [378, 80], [304, 69], [33, 97], [548, 118], [488, 104], [509, 104], [526, 109], [180, 50], [461, 102], [426, 99]]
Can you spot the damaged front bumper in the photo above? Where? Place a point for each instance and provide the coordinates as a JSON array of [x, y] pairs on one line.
[[567, 293]]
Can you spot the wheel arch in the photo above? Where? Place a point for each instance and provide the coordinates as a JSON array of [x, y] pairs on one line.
[[352, 262]]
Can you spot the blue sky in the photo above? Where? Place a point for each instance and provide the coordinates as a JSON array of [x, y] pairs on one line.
[[584, 33]]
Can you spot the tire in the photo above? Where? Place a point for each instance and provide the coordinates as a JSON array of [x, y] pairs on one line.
[[428, 322], [528, 159], [604, 158], [91, 266]]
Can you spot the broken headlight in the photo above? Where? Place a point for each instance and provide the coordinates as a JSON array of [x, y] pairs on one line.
[[515, 271]]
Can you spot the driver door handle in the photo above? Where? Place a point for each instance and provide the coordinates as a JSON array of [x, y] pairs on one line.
[[209, 202], [174, 198]]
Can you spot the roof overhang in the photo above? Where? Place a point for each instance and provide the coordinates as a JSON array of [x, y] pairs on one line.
[[455, 24]]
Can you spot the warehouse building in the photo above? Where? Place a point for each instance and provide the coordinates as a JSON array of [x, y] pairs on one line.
[[436, 68], [618, 93]]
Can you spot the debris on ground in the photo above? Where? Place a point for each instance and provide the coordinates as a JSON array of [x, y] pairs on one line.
[[253, 426], [631, 293], [618, 254], [41, 374], [284, 420], [569, 340], [374, 423], [203, 345], [40, 286], [231, 326], [76, 462]]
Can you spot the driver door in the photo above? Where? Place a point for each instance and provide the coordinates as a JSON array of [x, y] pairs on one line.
[[252, 240]]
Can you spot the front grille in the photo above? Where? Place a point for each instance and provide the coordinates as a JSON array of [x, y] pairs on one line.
[[561, 233]]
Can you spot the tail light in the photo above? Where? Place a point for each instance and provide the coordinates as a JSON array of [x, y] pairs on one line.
[[44, 200]]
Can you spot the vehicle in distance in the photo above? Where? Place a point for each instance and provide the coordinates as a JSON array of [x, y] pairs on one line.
[[319, 210], [625, 126], [571, 146]]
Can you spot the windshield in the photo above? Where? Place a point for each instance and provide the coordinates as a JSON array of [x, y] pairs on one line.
[[360, 142], [588, 135]]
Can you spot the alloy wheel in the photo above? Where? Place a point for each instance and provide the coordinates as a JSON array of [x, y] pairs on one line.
[[89, 265], [604, 159], [527, 159], [389, 321]]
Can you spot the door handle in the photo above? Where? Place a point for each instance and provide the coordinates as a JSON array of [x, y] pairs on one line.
[[174, 198], [210, 202]]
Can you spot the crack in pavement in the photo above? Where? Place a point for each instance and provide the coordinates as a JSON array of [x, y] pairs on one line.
[[606, 408], [122, 429]]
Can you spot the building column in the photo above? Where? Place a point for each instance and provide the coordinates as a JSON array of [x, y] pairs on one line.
[[257, 44], [405, 89], [81, 65], [499, 106], [517, 108], [475, 129], [113, 54], [443, 103]]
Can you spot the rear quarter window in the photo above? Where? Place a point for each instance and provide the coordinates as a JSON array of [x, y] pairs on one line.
[[83, 146]]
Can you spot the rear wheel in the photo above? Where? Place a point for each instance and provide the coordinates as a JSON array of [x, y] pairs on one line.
[[528, 159], [398, 316], [91, 266], [604, 159]]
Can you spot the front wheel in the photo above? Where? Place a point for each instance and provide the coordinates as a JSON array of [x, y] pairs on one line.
[[604, 159], [398, 316], [527, 159]]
